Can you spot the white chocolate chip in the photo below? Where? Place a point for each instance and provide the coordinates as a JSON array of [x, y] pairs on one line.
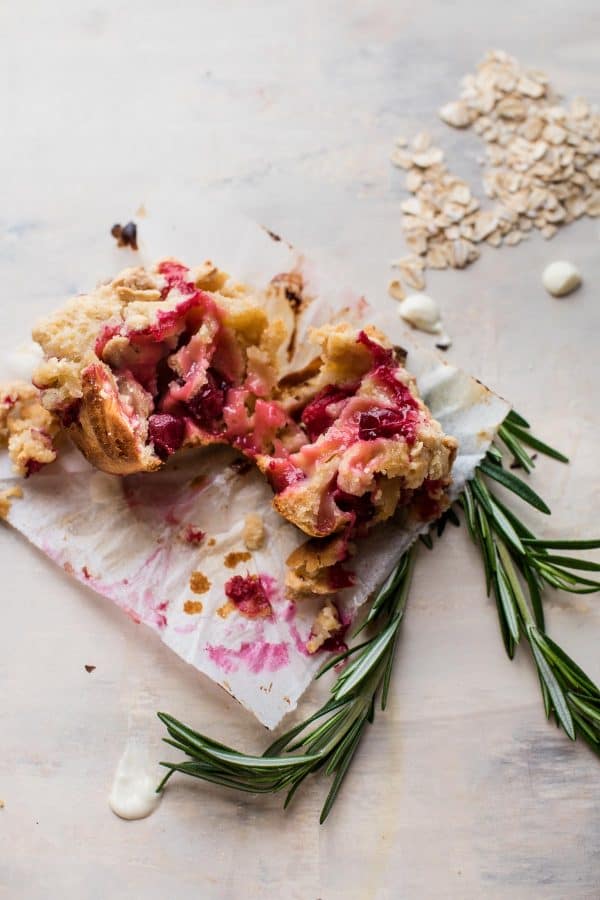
[[422, 312], [561, 278]]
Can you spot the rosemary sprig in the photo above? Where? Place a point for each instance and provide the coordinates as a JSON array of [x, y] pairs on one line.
[[329, 746], [519, 568]]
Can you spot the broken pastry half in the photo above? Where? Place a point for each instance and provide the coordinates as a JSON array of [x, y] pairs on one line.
[[372, 451], [160, 359]]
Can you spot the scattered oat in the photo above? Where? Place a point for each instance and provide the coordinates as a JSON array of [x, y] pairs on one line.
[[542, 158], [401, 158], [561, 278], [396, 290], [513, 238], [542, 169], [193, 607], [254, 531], [6, 496], [411, 269], [457, 114], [199, 583]]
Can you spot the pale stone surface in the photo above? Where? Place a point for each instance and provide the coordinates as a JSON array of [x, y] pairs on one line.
[[289, 110]]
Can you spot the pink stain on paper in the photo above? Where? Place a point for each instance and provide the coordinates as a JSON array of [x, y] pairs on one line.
[[260, 656]]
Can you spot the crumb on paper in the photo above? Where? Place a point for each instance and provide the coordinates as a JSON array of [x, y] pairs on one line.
[[141, 212], [211, 542], [326, 625], [315, 567], [26, 428], [254, 531], [1, 804], [225, 611], [199, 583], [89, 668], [126, 235], [193, 607], [6, 498], [231, 560]]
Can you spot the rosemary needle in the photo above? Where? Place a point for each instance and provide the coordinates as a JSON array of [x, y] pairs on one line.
[[518, 570]]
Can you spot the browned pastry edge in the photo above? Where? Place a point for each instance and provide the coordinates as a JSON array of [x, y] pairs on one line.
[[103, 432]]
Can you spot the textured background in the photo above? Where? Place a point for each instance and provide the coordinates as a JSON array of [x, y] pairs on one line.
[[289, 109]]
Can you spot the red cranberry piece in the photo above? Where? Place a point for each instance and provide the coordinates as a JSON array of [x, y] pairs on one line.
[[206, 406], [192, 535], [249, 595], [177, 276], [361, 507], [335, 643], [70, 413], [380, 423], [282, 473], [32, 466], [315, 416], [340, 578], [166, 433], [381, 355]]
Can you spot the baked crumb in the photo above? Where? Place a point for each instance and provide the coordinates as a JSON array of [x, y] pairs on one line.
[[326, 625], [6, 497], [199, 583], [26, 428], [125, 235], [234, 558], [193, 607], [226, 610], [254, 531], [315, 567]]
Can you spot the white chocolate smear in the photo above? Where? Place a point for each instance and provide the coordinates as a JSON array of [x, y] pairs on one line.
[[133, 793]]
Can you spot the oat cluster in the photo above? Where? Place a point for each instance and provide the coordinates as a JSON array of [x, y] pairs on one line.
[[542, 168]]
